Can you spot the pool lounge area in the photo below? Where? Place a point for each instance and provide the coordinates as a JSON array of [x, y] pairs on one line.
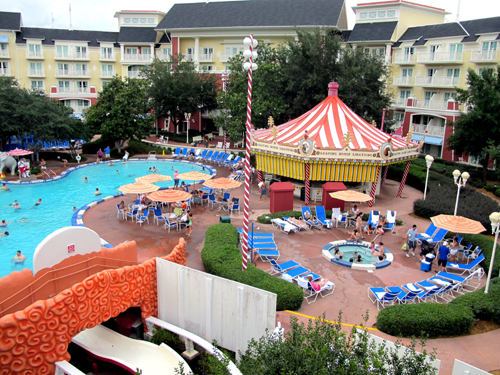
[[350, 246]]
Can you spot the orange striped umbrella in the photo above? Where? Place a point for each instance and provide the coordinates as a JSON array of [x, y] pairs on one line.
[[169, 196], [138, 188], [152, 178], [222, 183], [458, 224], [194, 176], [351, 196]]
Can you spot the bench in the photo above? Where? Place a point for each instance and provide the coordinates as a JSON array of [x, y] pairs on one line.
[[238, 144], [210, 136], [197, 139]]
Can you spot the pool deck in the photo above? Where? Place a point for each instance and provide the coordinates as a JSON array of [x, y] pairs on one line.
[[350, 294]]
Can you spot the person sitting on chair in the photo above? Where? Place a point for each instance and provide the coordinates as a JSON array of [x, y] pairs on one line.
[[353, 211], [317, 285]]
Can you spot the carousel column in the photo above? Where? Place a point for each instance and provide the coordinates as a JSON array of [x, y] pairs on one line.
[[403, 180], [386, 168], [308, 184], [260, 176], [374, 188]]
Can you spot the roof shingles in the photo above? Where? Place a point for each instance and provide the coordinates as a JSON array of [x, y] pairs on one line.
[[377, 31], [10, 21], [48, 36]]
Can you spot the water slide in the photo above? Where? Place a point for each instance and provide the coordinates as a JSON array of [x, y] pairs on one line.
[[128, 353]]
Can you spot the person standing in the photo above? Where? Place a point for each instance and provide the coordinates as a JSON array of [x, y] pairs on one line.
[[412, 241], [189, 225], [443, 256], [19, 258], [176, 179], [107, 152], [125, 157], [99, 155], [359, 223], [263, 190]]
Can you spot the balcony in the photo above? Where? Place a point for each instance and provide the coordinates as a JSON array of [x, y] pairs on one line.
[[4, 72], [164, 56], [431, 104], [34, 55], [440, 57], [188, 57], [73, 90], [226, 57], [137, 58], [402, 81], [207, 57], [36, 73], [70, 73], [4, 53], [484, 56], [71, 56], [134, 74], [399, 102], [80, 108], [431, 129], [436, 81], [404, 59], [106, 74], [108, 57]]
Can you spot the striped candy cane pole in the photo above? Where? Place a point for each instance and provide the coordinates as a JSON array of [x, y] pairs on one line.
[[246, 200], [385, 175], [403, 180], [308, 184], [374, 188], [260, 176], [224, 141]]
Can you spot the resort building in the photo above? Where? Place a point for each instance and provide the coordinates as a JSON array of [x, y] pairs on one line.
[[428, 57]]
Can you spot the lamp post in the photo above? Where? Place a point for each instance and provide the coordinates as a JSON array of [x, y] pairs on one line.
[[428, 159], [460, 181], [188, 118], [249, 65], [495, 228], [225, 78]]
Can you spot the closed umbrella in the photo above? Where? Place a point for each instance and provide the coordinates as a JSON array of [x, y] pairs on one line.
[[138, 188], [169, 196], [153, 178], [458, 224], [222, 183], [194, 176], [19, 152], [351, 196]]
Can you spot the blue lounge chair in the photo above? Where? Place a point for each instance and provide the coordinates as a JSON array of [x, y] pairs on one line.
[[426, 285], [158, 216], [391, 218], [428, 295], [382, 297], [282, 267], [256, 234], [325, 290], [374, 218], [467, 250], [224, 158], [202, 155], [473, 255], [208, 155], [311, 222], [295, 272], [459, 267], [428, 233], [463, 282], [265, 255], [403, 295], [183, 153], [214, 156], [298, 223], [176, 152], [221, 157], [321, 216], [234, 162], [438, 237], [188, 152], [262, 246]]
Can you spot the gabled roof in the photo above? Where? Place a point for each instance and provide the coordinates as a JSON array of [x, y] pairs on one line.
[[137, 35], [48, 36], [366, 32], [480, 26], [10, 21], [441, 30], [253, 13]]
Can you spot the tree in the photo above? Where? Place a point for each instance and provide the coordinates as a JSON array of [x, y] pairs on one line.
[[176, 87], [481, 123], [121, 112]]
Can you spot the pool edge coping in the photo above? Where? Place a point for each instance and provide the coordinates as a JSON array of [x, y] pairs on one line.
[[364, 267]]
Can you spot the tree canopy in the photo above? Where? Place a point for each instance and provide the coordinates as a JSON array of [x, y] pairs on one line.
[[122, 111], [480, 125], [176, 87]]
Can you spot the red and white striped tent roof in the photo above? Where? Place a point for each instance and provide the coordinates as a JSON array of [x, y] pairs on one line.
[[327, 124]]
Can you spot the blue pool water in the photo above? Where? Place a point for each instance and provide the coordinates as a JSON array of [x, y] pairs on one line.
[[31, 224], [348, 250]]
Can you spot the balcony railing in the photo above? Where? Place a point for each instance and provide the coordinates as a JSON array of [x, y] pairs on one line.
[[431, 129], [164, 56], [72, 90], [436, 81], [81, 55], [188, 57], [34, 54], [72, 73], [108, 56], [226, 57], [72, 56], [36, 72], [4, 72], [4, 53], [137, 57], [107, 73], [403, 81], [399, 102], [440, 57], [80, 108], [431, 104], [403, 58], [79, 90], [134, 74], [484, 56], [207, 57]]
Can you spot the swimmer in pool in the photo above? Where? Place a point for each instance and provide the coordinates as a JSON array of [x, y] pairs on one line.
[[23, 220], [4, 187], [19, 258], [16, 205], [4, 223], [111, 163], [4, 234], [97, 192], [74, 208], [84, 179], [117, 171], [38, 202]]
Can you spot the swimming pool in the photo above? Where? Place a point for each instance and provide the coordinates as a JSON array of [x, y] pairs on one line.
[[31, 224], [369, 262]]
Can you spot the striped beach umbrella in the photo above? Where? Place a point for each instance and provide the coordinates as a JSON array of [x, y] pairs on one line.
[[351, 196], [169, 196], [138, 188], [458, 224], [153, 178], [222, 183]]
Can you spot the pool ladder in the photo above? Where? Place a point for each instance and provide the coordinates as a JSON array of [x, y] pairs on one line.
[[48, 175]]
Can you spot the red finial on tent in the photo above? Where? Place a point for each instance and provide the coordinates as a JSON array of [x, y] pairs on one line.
[[333, 89]]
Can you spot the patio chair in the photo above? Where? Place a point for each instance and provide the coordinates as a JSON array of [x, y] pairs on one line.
[[403, 295], [142, 217], [171, 224], [158, 216], [212, 201], [465, 250], [177, 152], [321, 216], [235, 207], [183, 153], [325, 290], [208, 155], [257, 234], [473, 255], [382, 297], [201, 155], [219, 145], [391, 218], [120, 211], [265, 255], [312, 222], [132, 214], [262, 245], [188, 152], [294, 273], [284, 226], [438, 237], [214, 156], [429, 232], [259, 240], [374, 218], [282, 267], [465, 267], [298, 223], [428, 295], [463, 282], [338, 217]]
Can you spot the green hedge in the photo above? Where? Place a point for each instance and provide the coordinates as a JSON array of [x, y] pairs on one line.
[[93, 147], [222, 257], [484, 306], [425, 319]]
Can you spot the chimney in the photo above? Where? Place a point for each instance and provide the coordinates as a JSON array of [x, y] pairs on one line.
[[333, 89]]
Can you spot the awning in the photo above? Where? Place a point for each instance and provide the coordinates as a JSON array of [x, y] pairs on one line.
[[78, 116], [428, 139]]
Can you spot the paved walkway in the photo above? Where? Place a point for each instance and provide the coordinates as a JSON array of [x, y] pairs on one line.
[[350, 294]]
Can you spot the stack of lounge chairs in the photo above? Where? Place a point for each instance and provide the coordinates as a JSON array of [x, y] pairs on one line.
[[208, 156]]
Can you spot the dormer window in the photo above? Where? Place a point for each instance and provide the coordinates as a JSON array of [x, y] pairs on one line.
[[363, 16], [391, 13], [381, 14], [143, 20], [151, 20], [135, 20], [127, 20], [372, 15]]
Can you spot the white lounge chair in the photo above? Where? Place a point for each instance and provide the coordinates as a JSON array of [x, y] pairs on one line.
[[284, 226], [391, 218]]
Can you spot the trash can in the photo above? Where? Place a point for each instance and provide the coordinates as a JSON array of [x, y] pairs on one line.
[[327, 200], [425, 266], [303, 194], [281, 196], [225, 219]]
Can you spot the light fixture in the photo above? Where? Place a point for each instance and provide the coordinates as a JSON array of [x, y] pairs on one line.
[[460, 181], [428, 159], [495, 226]]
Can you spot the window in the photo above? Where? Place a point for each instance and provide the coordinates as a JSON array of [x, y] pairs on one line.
[[35, 50], [104, 83], [135, 20], [83, 103], [62, 51], [429, 95], [37, 85], [489, 46], [409, 51], [151, 20], [126, 20], [167, 52], [372, 14], [407, 72], [131, 51], [363, 16], [106, 53], [433, 50], [449, 95], [143, 20], [190, 51], [63, 86], [4, 50], [233, 51], [399, 116], [453, 73], [63, 69], [381, 14], [208, 51], [3, 46], [380, 51], [80, 52], [431, 72], [456, 51], [107, 70], [391, 13], [82, 86], [404, 94], [482, 70], [146, 51], [35, 68], [67, 103], [207, 68], [81, 69]]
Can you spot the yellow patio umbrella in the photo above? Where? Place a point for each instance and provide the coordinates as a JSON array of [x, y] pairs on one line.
[[222, 183], [458, 224], [138, 188], [351, 196], [194, 176], [152, 178], [169, 196]]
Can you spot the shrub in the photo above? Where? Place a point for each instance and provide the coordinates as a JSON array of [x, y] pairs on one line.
[[425, 319], [93, 147], [35, 170], [486, 244], [484, 306], [399, 222], [138, 147], [497, 192], [491, 188], [221, 257]]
